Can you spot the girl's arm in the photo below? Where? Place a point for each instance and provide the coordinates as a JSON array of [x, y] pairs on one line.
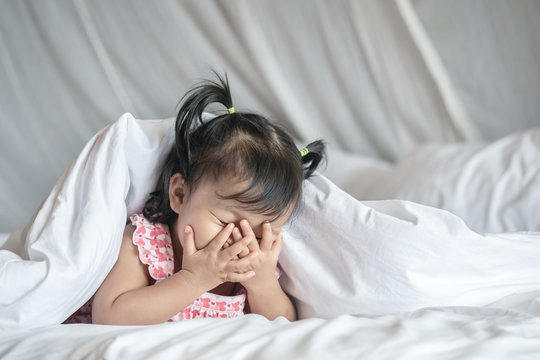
[[265, 296], [127, 298], [270, 300]]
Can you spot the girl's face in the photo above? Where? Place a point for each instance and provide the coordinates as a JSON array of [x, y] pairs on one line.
[[207, 214]]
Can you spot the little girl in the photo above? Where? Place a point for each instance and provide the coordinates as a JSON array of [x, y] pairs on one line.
[[208, 239]]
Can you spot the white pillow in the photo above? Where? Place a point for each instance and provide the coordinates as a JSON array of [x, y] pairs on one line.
[[493, 187]]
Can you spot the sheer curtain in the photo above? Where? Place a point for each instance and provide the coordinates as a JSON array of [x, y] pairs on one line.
[[373, 78]]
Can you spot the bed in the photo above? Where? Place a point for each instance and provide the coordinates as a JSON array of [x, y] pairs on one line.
[[419, 240], [380, 279]]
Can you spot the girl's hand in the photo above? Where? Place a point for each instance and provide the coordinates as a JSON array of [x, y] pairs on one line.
[[213, 265], [264, 255]]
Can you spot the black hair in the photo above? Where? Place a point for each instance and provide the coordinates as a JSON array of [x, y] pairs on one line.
[[244, 145]]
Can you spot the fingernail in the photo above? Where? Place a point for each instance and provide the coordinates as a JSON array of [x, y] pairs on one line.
[[255, 254], [187, 229]]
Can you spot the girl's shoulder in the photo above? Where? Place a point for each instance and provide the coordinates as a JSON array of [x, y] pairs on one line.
[[129, 230]]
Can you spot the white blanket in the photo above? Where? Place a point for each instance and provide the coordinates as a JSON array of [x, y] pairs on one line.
[[341, 256], [426, 334]]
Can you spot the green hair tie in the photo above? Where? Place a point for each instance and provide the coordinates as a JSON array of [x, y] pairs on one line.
[[303, 152], [231, 110]]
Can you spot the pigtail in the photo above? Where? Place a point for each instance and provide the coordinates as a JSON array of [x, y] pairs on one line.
[[244, 145], [190, 116], [157, 207], [311, 156]]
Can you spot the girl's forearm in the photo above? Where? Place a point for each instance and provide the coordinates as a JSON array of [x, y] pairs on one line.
[[151, 304], [271, 301]]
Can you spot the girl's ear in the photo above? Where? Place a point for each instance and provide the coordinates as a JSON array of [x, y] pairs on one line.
[[177, 192]]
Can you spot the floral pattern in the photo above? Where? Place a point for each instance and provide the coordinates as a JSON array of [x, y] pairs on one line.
[[155, 250], [153, 240], [155, 247]]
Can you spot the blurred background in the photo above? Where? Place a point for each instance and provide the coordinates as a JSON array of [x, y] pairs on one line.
[[373, 78]]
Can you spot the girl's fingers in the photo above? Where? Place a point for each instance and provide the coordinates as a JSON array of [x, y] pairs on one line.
[[229, 242], [221, 238], [237, 236], [240, 277], [189, 241], [267, 236], [248, 232], [242, 264], [237, 248], [278, 244]]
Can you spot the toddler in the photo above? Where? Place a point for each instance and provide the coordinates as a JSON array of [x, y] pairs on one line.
[[208, 239]]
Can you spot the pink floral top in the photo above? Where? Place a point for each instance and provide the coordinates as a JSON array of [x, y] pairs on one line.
[[155, 250], [154, 243]]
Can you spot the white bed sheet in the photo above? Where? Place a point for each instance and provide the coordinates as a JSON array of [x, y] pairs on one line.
[[436, 333]]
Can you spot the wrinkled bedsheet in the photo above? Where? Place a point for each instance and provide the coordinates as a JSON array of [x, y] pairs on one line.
[[437, 333]]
